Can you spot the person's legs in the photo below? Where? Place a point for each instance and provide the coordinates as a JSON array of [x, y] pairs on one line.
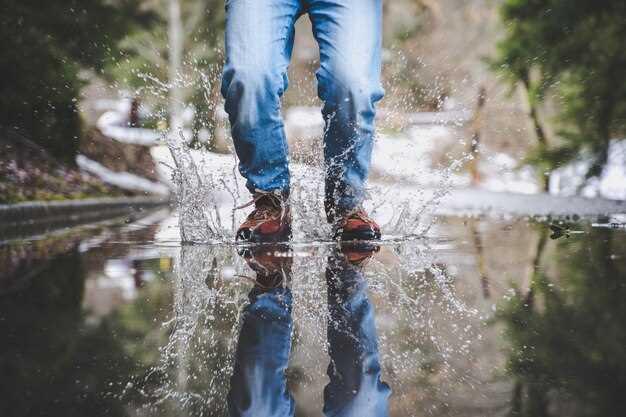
[[349, 33], [355, 388], [259, 40], [258, 386]]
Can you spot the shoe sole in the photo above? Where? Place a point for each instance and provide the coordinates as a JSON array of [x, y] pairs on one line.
[[364, 235], [361, 246], [282, 236]]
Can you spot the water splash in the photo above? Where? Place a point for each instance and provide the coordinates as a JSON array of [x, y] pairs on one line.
[[207, 186], [195, 363], [421, 322]]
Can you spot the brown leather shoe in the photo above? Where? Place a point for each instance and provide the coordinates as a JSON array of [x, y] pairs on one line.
[[272, 264], [270, 221], [356, 225], [359, 253]]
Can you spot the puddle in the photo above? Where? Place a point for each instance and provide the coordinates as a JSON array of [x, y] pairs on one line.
[[476, 318]]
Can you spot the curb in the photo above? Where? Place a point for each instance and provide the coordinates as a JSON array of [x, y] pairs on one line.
[[47, 212]]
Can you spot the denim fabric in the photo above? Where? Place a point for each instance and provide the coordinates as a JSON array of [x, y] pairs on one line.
[[258, 385], [355, 388], [259, 42]]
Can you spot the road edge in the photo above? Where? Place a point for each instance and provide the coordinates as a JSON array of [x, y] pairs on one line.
[[71, 211]]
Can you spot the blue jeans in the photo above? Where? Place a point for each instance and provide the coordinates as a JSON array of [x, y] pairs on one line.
[[259, 42], [259, 387]]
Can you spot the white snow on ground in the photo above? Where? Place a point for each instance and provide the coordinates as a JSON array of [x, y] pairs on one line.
[[407, 189], [500, 172], [134, 136], [402, 208], [210, 166], [484, 202], [113, 125], [168, 231], [123, 180], [568, 180], [408, 158], [310, 117], [304, 117], [453, 117]]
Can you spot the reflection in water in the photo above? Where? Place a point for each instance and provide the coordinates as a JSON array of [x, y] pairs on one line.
[[355, 387], [194, 359], [259, 385], [426, 332], [54, 362], [480, 255], [567, 333], [58, 358], [73, 345]]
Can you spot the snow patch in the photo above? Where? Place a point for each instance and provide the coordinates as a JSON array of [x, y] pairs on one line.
[[408, 158], [570, 179], [113, 125], [502, 174], [123, 180]]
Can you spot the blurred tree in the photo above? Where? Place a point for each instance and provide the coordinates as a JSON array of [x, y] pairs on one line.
[[45, 45], [567, 340], [574, 50], [144, 66], [57, 362], [52, 363]]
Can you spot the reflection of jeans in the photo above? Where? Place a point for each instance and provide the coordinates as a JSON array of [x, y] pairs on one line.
[[259, 41], [355, 388], [258, 386]]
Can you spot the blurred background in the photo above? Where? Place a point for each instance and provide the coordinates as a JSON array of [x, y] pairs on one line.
[[507, 301], [528, 93]]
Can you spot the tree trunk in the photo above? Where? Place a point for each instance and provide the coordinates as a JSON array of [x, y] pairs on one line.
[[175, 34], [533, 113], [605, 119], [474, 146], [193, 219]]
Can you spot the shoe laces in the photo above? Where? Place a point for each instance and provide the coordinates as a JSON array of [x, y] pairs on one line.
[[266, 204], [357, 213]]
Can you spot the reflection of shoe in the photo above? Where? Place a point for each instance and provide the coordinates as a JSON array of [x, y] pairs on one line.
[[356, 225], [358, 254], [271, 263], [270, 221]]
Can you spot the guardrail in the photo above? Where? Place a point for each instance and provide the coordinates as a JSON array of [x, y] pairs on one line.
[[36, 213]]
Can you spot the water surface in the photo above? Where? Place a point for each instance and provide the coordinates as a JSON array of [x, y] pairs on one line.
[[479, 317]]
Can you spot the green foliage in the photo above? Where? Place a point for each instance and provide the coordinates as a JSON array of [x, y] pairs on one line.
[[56, 362], [143, 65], [28, 173], [52, 363], [573, 49], [45, 45], [567, 340]]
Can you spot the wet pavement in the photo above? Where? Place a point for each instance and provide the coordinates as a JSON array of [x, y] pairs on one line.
[[479, 317]]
